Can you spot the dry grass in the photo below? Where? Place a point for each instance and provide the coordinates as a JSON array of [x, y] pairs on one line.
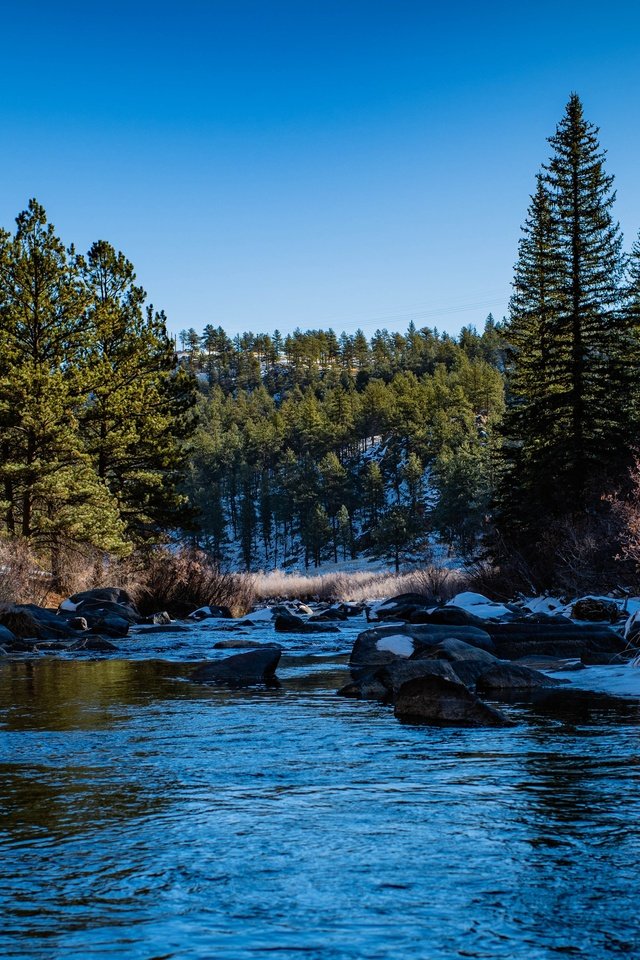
[[360, 585], [22, 579], [181, 582]]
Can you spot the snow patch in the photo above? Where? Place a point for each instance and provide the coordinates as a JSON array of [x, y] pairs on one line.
[[398, 643], [479, 605], [68, 606], [547, 605], [264, 613]]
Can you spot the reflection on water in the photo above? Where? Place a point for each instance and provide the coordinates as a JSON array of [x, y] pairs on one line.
[[145, 817]]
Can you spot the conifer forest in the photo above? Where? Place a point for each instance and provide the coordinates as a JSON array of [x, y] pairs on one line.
[[515, 439]]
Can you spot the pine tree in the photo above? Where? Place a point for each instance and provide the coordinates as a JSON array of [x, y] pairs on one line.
[[53, 497], [139, 414], [532, 426], [573, 351]]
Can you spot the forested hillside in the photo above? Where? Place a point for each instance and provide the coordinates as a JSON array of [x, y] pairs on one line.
[[316, 446]]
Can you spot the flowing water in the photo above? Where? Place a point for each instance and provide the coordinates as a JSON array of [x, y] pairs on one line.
[[146, 817]]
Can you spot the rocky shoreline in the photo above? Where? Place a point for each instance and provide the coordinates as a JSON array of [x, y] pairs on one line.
[[437, 664]]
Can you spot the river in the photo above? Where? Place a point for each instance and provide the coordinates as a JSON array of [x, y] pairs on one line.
[[145, 817]]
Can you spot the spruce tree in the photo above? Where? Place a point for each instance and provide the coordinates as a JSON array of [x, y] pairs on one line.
[[570, 380]]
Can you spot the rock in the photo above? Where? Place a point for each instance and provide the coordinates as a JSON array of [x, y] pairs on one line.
[[284, 620], [241, 644], [455, 617], [596, 610], [261, 615], [367, 687], [380, 645], [6, 635], [96, 609], [468, 671], [403, 607], [333, 613], [438, 701], [394, 675], [351, 609], [242, 670], [512, 677], [550, 663], [157, 619], [51, 624], [110, 625], [567, 640], [453, 649], [293, 624], [204, 613], [99, 595], [21, 623], [78, 623]]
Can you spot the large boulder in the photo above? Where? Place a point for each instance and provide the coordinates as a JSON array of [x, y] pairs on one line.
[[380, 645], [394, 675], [439, 701], [512, 678], [97, 596], [453, 649], [569, 640], [243, 670], [109, 625], [23, 624], [49, 625], [468, 662], [97, 609], [405, 606]]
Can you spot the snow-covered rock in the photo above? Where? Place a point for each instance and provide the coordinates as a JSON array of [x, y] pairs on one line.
[[479, 605], [398, 644]]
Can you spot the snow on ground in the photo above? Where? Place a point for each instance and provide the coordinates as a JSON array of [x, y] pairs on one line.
[[548, 605], [479, 605], [622, 680]]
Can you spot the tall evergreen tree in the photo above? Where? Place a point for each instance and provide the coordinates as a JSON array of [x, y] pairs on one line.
[[139, 412], [573, 351], [53, 497]]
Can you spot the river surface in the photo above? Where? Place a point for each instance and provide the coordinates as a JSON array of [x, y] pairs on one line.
[[148, 818]]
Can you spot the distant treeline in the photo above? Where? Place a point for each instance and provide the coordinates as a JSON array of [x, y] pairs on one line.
[[316, 446]]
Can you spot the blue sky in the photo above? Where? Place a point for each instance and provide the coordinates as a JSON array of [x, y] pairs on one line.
[[278, 164]]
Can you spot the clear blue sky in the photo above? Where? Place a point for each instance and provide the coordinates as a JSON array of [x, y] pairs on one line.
[[273, 164]]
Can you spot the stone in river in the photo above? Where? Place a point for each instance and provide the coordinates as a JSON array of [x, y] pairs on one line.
[[243, 670], [438, 701]]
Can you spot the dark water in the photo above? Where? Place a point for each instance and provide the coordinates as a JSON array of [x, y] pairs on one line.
[[145, 817]]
